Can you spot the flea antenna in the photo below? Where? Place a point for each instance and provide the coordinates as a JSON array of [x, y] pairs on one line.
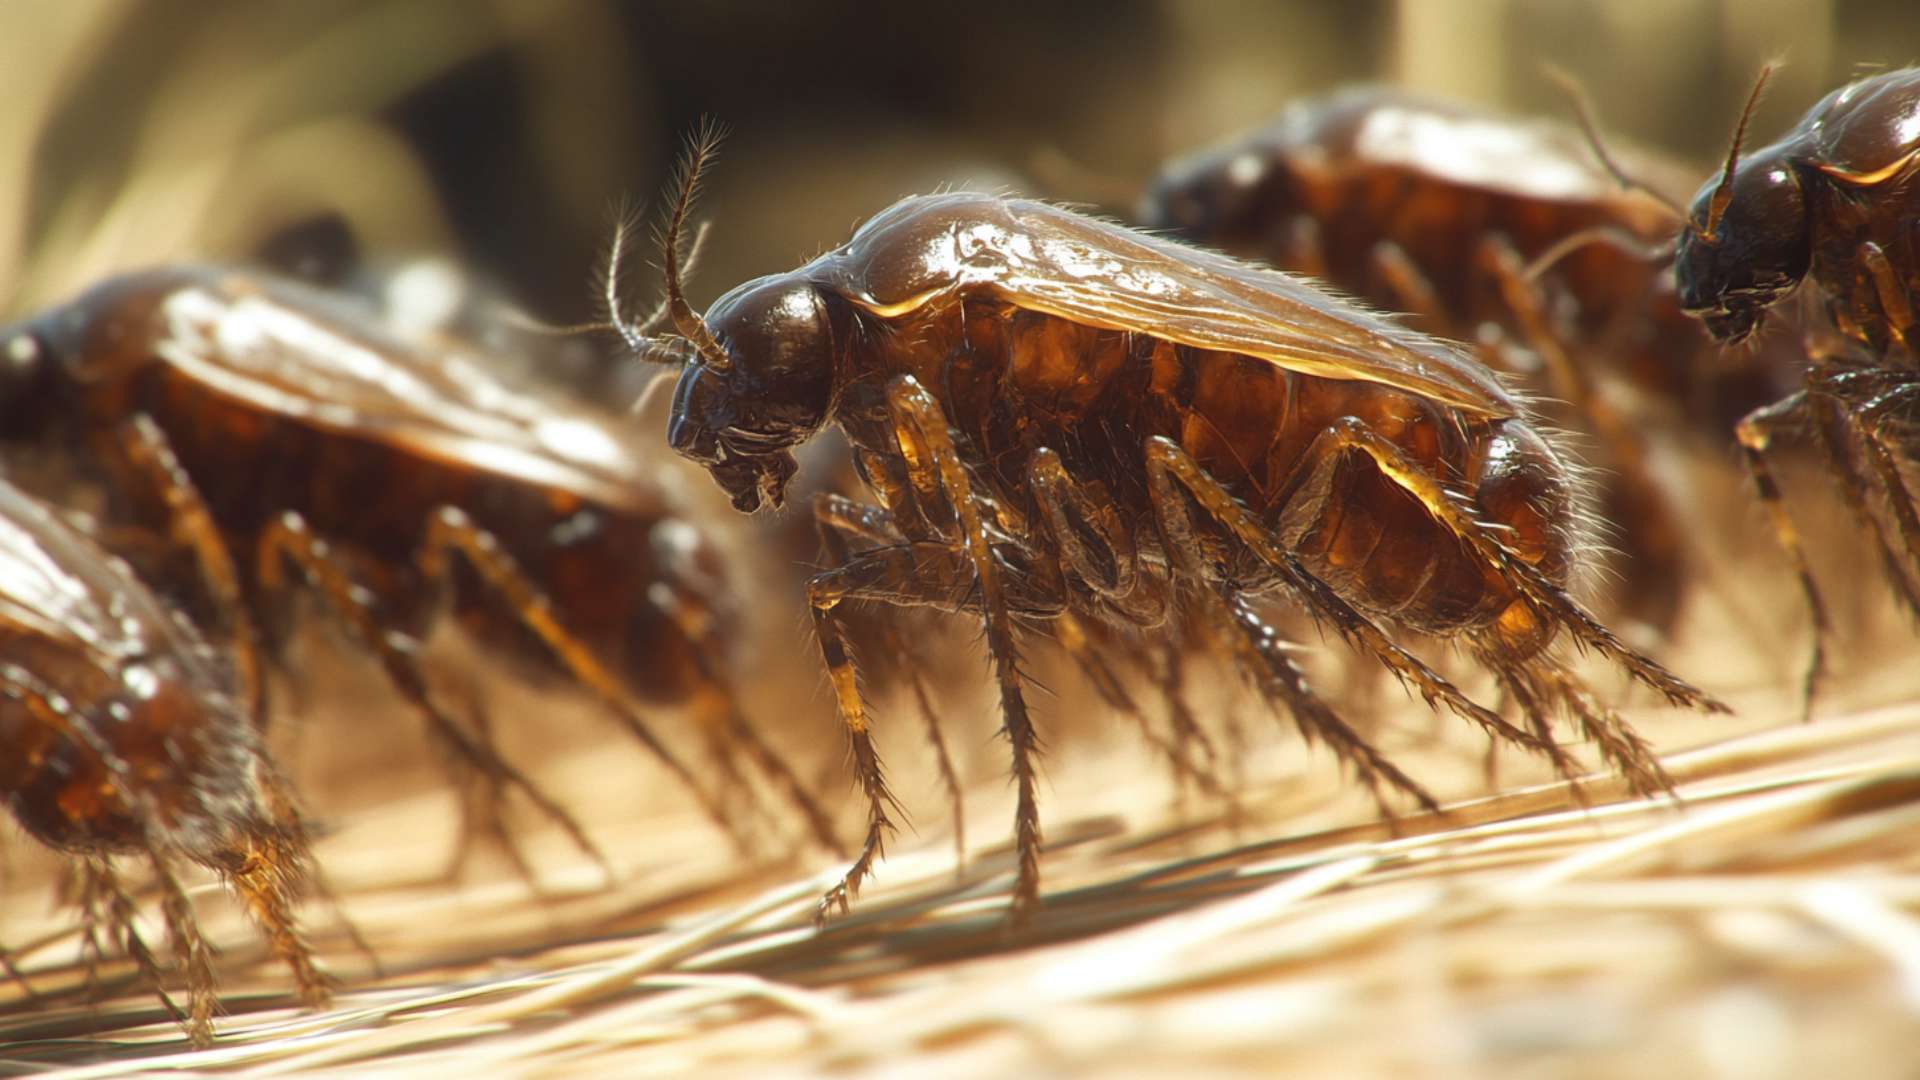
[[1583, 109], [1723, 191], [1611, 235], [641, 336], [700, 153]]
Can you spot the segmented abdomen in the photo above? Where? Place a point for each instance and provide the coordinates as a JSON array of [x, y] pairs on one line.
[[1014, 380]]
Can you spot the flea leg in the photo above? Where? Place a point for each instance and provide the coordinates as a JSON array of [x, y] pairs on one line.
[[1549, 601], [288, 539], [1167, 464], [1829, 405], [145, 448], [106, 903], [1114, 571], [1868, 424], [1178, 752], [1412, 290], [1262, 653], [1755, 433], [928, 447], [481, 795], [1075, 514], [836, 518], [895, 575], [271, 873], [1895, 304], [920, 575], [1265, 657], [190, 950], [1654, 537], [451, 531], [721, 706]]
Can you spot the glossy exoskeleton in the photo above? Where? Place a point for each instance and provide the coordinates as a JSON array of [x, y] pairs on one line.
[[327, 453], [1436, 209], [1835, 202], [124, 730], [1063, 416]]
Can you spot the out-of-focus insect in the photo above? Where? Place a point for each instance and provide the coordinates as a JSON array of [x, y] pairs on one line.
[[1835, 201], [433, 303], [1042, 401], [1437, 209], [388, 478], [123, 730]]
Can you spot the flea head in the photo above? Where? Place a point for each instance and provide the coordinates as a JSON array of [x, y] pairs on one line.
[[774, 389], [1745, 245], [1748, 239]]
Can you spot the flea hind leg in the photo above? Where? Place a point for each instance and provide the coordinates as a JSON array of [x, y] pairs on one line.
[[272, 872], [1550, 605], [106, 905], [482, 796], [1265, 659], [1168, 464], [1549, 602], [1540, 682], [1261, 652]]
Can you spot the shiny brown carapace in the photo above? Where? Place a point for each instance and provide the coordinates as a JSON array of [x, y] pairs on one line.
[[123, 730], [1834, 203], [1063, 418], [1437, 210], [322, 452]]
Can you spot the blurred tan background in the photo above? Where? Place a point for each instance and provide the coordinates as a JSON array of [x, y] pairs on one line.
[[503, 133]]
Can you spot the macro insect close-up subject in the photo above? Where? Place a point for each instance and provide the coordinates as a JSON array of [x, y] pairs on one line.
[[1061, 414], [1089, 539]]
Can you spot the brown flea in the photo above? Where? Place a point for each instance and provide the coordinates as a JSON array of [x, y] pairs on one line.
[[1834, 202], [1061, 416], [318, 451], [1438, 210], [125, 731]]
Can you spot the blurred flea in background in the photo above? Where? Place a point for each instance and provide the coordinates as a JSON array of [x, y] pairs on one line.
[[125, 730], [391, 481]]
